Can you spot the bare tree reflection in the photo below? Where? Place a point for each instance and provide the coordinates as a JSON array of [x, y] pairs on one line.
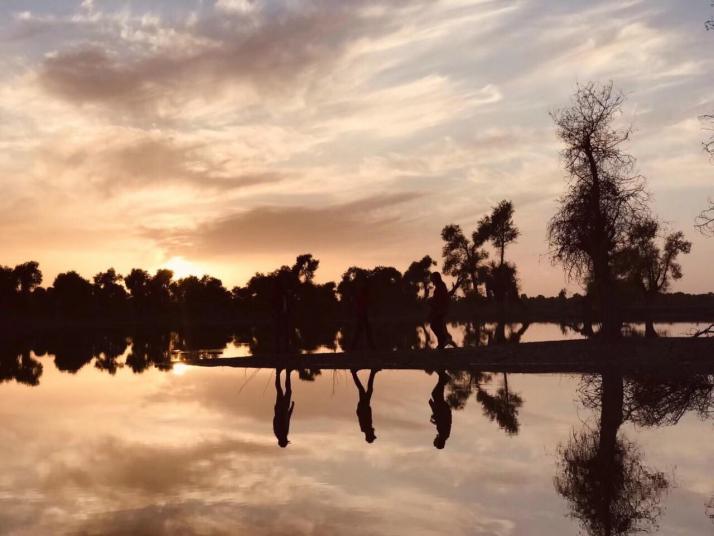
[[657, 400], [601, 473]]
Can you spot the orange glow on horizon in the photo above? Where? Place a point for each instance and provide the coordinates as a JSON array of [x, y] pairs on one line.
[[182, 267]]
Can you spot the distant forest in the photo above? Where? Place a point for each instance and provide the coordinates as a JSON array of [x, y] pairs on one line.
[[603, 233]]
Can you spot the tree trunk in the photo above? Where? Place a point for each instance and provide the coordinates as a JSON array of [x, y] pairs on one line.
[[649, 322], [610, 421]]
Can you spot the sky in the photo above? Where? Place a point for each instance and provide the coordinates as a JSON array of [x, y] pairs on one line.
[[229, 136]]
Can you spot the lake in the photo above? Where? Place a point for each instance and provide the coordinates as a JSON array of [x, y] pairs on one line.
[[112, 439]]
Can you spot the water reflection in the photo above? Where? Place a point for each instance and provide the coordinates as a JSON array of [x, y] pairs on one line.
[[440, 411], [601, 473], [364, 405], [284, 407], [606, 471]]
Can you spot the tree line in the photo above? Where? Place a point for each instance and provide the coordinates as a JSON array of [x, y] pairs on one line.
[[603, 233]]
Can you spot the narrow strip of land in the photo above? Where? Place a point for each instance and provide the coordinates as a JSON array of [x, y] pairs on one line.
[[580, 356]]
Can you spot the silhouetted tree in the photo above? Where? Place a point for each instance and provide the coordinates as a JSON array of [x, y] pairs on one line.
[[416, 278], [205, 297], [8, 288], [501, 282], [305, 267], [604, 197], [499, 228], [137, 281], [463, 257], [72, 294], [28, 276], [386, 290], [705, 220], [647, 266], [109, 293], [160, 289]]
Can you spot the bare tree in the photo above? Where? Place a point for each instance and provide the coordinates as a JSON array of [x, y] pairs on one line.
[[705, 220], [604, 196]]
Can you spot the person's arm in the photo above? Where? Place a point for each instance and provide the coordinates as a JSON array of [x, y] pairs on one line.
[[292, 407]]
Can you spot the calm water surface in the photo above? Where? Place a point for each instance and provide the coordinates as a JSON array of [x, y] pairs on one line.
[[193, 451]]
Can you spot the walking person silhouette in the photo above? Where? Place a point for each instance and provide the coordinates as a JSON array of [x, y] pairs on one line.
[[440, 411], [283, 408], [281, 304], [364, 409], [363, 327], [438, 308]]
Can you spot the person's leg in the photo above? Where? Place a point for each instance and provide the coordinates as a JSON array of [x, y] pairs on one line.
[[448, 339], [358, 383], [438, 392], [278, 387], [439, 329], [288, 387], [434, 325], [370, 382]]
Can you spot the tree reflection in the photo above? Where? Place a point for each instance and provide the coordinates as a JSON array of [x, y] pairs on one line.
[[18, 364], [109, 348], [150, 349], [601, 473], [501, 407], [658, 400]]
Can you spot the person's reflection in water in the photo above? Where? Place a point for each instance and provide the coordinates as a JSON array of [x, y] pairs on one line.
[[440, 411], [364, 409], [362, 325], [438, 307], [283, 408]]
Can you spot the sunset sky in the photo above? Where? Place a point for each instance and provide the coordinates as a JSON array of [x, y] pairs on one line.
[[229, 136]]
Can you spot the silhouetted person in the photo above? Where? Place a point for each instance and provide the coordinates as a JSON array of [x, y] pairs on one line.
[[362, 325], [281, 309], [364, 410], [440, 411], [438, 308], [283, 408]]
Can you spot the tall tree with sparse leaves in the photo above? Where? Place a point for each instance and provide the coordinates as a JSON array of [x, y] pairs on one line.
[[604, 196]]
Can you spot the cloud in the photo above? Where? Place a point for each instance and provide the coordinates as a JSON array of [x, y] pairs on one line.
[[148, 469], [272, 229], [146, 160], [267, 48]]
